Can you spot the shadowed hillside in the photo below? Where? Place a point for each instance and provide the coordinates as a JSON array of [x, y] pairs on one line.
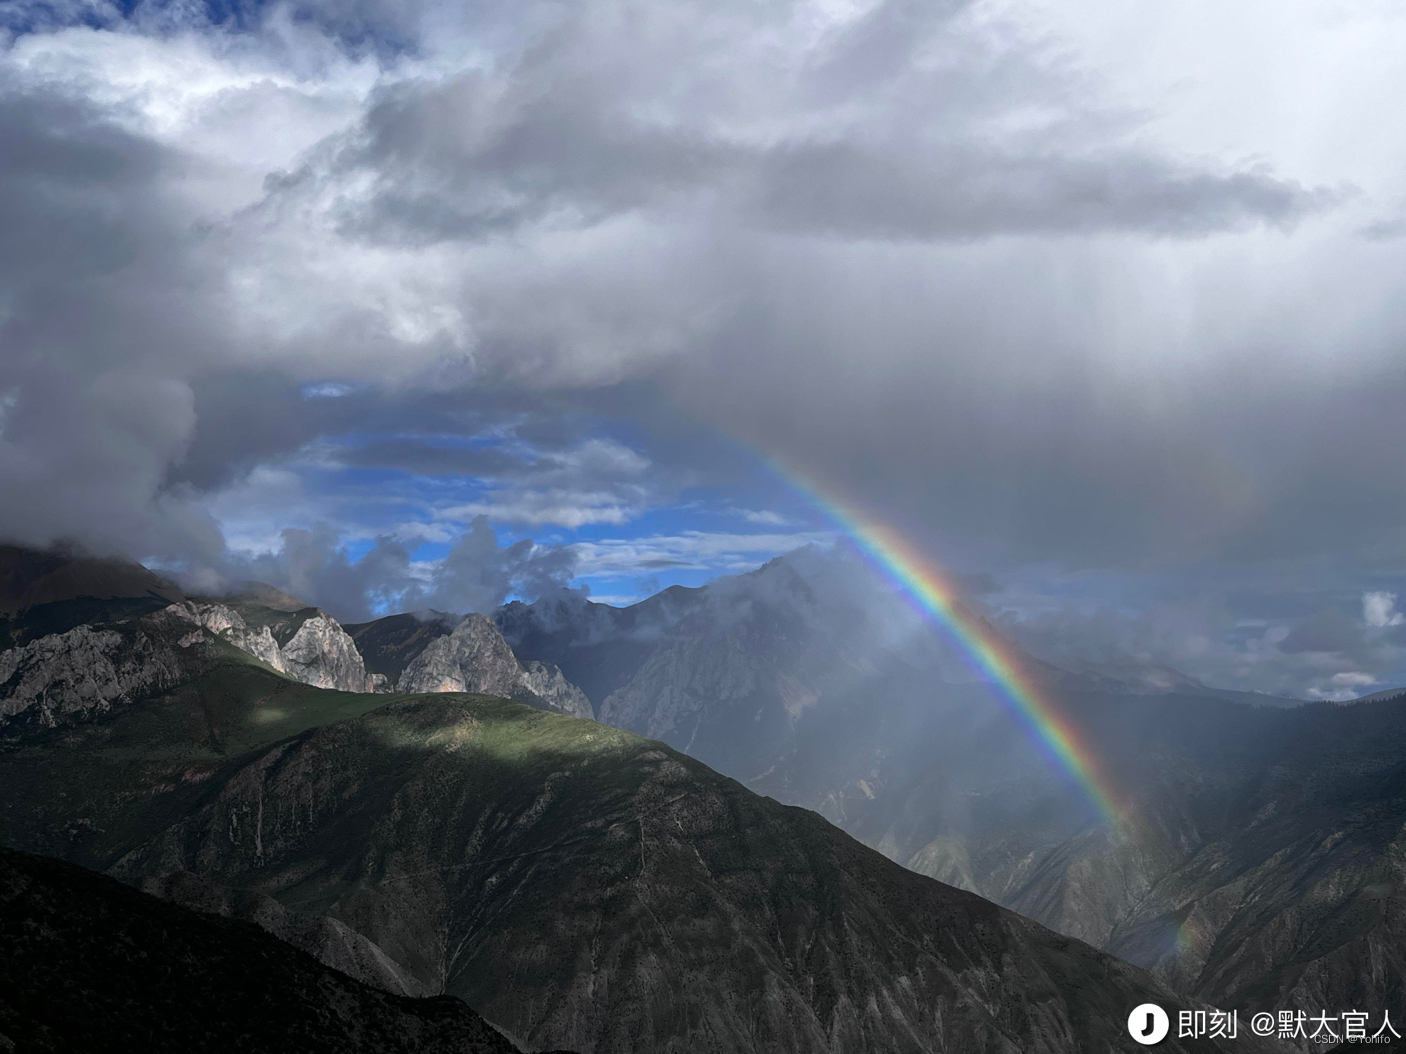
[[92, 965], [578, 885]]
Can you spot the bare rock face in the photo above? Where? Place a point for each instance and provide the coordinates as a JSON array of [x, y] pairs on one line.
[[319, 652], [549, 684], [476, 658], [226, 623], [67, 677]]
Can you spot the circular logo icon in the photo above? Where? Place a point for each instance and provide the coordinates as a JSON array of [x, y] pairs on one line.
[[1148, 1024]]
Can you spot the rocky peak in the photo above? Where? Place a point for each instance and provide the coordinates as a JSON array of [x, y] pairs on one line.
[[318, 652], [322, 654], [476, 658], [67, 677], [391, 643]]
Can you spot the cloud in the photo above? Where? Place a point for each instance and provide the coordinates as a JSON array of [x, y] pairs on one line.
[[595, 481], [764, 517], [970, 265], [716, 552], [1379, 609], [477, 573], [261, 207], [1328, 631], [1295, 651], [327, 390]]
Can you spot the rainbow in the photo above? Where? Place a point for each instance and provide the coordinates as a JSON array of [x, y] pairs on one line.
[[989, 652]]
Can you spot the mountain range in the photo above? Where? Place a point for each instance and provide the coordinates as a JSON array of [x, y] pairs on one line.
[[368, 795], [1262, 861]]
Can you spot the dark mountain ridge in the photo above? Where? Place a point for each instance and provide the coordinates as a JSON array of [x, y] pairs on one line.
[[1259, 870], [581, 887], [93, 965]]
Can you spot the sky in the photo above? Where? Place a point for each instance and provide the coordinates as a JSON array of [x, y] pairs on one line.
[[429, 304]]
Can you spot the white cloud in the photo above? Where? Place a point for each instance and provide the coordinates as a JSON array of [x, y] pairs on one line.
[[764, 517], [717, 552], [560, 508], [1379, 609], [1342, 686], [597, 481]]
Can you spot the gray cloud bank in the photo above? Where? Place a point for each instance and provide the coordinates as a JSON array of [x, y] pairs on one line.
[[917, 249]]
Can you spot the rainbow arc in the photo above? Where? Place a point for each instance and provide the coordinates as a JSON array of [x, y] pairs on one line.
[[933, 590]]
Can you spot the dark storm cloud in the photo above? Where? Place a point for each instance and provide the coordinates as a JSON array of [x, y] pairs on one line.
[[102, 293], [1327, 631], [871, 145], [916, 251], [962, 191]]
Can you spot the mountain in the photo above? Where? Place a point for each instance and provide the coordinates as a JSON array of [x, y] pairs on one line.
[[32, 578], [1389, 693], [436, 652], [1261, 864], [390, 644], [61, 678], [63, 659], [327, 940], [45, 592], [580, 886], [596, 646], [734, 678], [93, 965], [1264, 866], [1143, 679], [264, 595], [476, 658], [306, 643]]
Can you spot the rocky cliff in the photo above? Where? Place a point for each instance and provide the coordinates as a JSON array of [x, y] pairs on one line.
[[60, 678], [390, 644], [66, 677], [476, 658], [308, 645]]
